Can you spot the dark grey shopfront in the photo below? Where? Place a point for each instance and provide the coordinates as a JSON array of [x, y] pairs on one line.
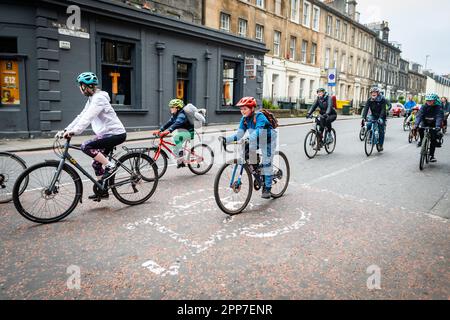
[[143, 60]]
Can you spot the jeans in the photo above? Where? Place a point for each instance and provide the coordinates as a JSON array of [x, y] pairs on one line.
[[380, 128]]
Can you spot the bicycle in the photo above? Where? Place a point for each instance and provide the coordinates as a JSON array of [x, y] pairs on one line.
[[426, 146], [55, 187], [313, 142], [11, 166], [372, 138], [406, 125], [199, 158], [236, 179], [413, 134]]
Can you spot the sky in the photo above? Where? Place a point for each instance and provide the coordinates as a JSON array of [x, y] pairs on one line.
[[422, 27]]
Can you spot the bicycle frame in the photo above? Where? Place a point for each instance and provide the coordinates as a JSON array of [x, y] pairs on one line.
[[66, 156], [167, 144], [374, 129]]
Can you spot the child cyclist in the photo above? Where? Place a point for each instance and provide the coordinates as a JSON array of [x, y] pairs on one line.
[[262, 136], [109, 130], [412, 117], [179, 121]]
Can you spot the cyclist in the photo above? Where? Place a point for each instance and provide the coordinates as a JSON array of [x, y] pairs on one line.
[[412, 117], [327, 112], [179, 122], [430, 115], [446, 109], [109, 130], [377, 106], [409, 105], [262, 136]]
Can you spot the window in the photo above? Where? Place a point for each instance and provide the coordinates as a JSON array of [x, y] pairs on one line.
[[225, 22], [337, 32], [292, 47], [313, 53], [311, 88], [259, 33], [242, 27], [365, 42], [302, 88], [316, 18], [358, 67], [231, 83], [278, 7], [304, 50], [260, 3], [344, 32], [350, 65], [327, 58], [118, 71], [9, 73], [276, 43], [184, 81], [295, 14], [353, 36], [335, 58], [306, 14], [343, 57], [360, 40], [363, 70], [329, 25]]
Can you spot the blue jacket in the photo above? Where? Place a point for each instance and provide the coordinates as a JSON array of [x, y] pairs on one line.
[[178, 121], [430, 114], [410, 104], [248, 123]]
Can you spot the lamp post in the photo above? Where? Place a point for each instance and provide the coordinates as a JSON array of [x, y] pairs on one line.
[[426, 61]]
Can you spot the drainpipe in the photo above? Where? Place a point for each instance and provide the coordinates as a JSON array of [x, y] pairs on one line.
[[208, 59], [160, 46]]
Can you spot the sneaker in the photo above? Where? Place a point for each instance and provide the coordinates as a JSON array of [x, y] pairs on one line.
[[266, 194], [109, 171], [419, 144], [98, 198], [380, 148], [180, 165], [433, 159]]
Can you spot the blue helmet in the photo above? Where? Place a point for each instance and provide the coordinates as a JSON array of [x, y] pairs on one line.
[[432, 97], [88, 78]]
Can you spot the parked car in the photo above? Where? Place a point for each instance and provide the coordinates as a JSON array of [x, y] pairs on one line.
[[397, 110]]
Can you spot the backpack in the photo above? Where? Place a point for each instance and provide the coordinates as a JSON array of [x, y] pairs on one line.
[[193, 114], [269, 115]]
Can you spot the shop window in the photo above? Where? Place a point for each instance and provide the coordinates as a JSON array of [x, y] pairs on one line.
[[231, 83], [9, 82], [117, 71], [184, 82]]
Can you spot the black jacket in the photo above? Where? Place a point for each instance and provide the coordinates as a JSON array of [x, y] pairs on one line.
[[377, 107], [433, 114], [325, 104]]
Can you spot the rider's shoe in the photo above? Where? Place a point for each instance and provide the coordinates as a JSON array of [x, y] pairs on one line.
[[433, 159], [266, 193], [109, 171], [380, 147], [419, 144], [97, 198]]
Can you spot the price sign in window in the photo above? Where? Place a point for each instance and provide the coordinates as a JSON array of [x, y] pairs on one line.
[[9, 82]]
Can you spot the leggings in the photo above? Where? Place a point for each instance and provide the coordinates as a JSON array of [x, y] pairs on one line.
[[101, 144]]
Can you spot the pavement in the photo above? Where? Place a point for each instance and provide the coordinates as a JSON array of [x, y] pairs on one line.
[[20, 145]]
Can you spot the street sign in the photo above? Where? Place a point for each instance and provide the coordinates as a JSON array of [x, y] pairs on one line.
[[331, 77]]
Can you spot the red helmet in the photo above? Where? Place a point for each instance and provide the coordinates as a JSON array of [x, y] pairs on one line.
[[416, 108], [247, 102]]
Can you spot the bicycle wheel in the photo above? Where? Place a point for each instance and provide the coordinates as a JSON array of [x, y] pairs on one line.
[[162, 161], [233, 191], [368, 144], [281, 174], [311, 144], [329, 147], [11, 166], [39, 204], [362, 133], [410, 137], [200, 159], [135, 180], [406, 126]]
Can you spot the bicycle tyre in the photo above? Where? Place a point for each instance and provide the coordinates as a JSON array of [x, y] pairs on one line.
[[22, 164], [368, 143], [288, 176], [162, 160], [309, 140], [362, 133], [206, 148], [137, 178], [25, 175], [327, 146], [216, 189]]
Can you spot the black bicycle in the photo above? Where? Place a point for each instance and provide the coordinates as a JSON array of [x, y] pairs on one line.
[[362, 132], [11, 166], [53, 189], [313, 141], [237, 178], [425, 155]]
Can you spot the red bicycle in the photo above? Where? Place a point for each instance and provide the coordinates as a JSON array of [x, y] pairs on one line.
[[199, 158]]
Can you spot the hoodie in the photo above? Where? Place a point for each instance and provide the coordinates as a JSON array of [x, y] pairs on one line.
[[98, 113]]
